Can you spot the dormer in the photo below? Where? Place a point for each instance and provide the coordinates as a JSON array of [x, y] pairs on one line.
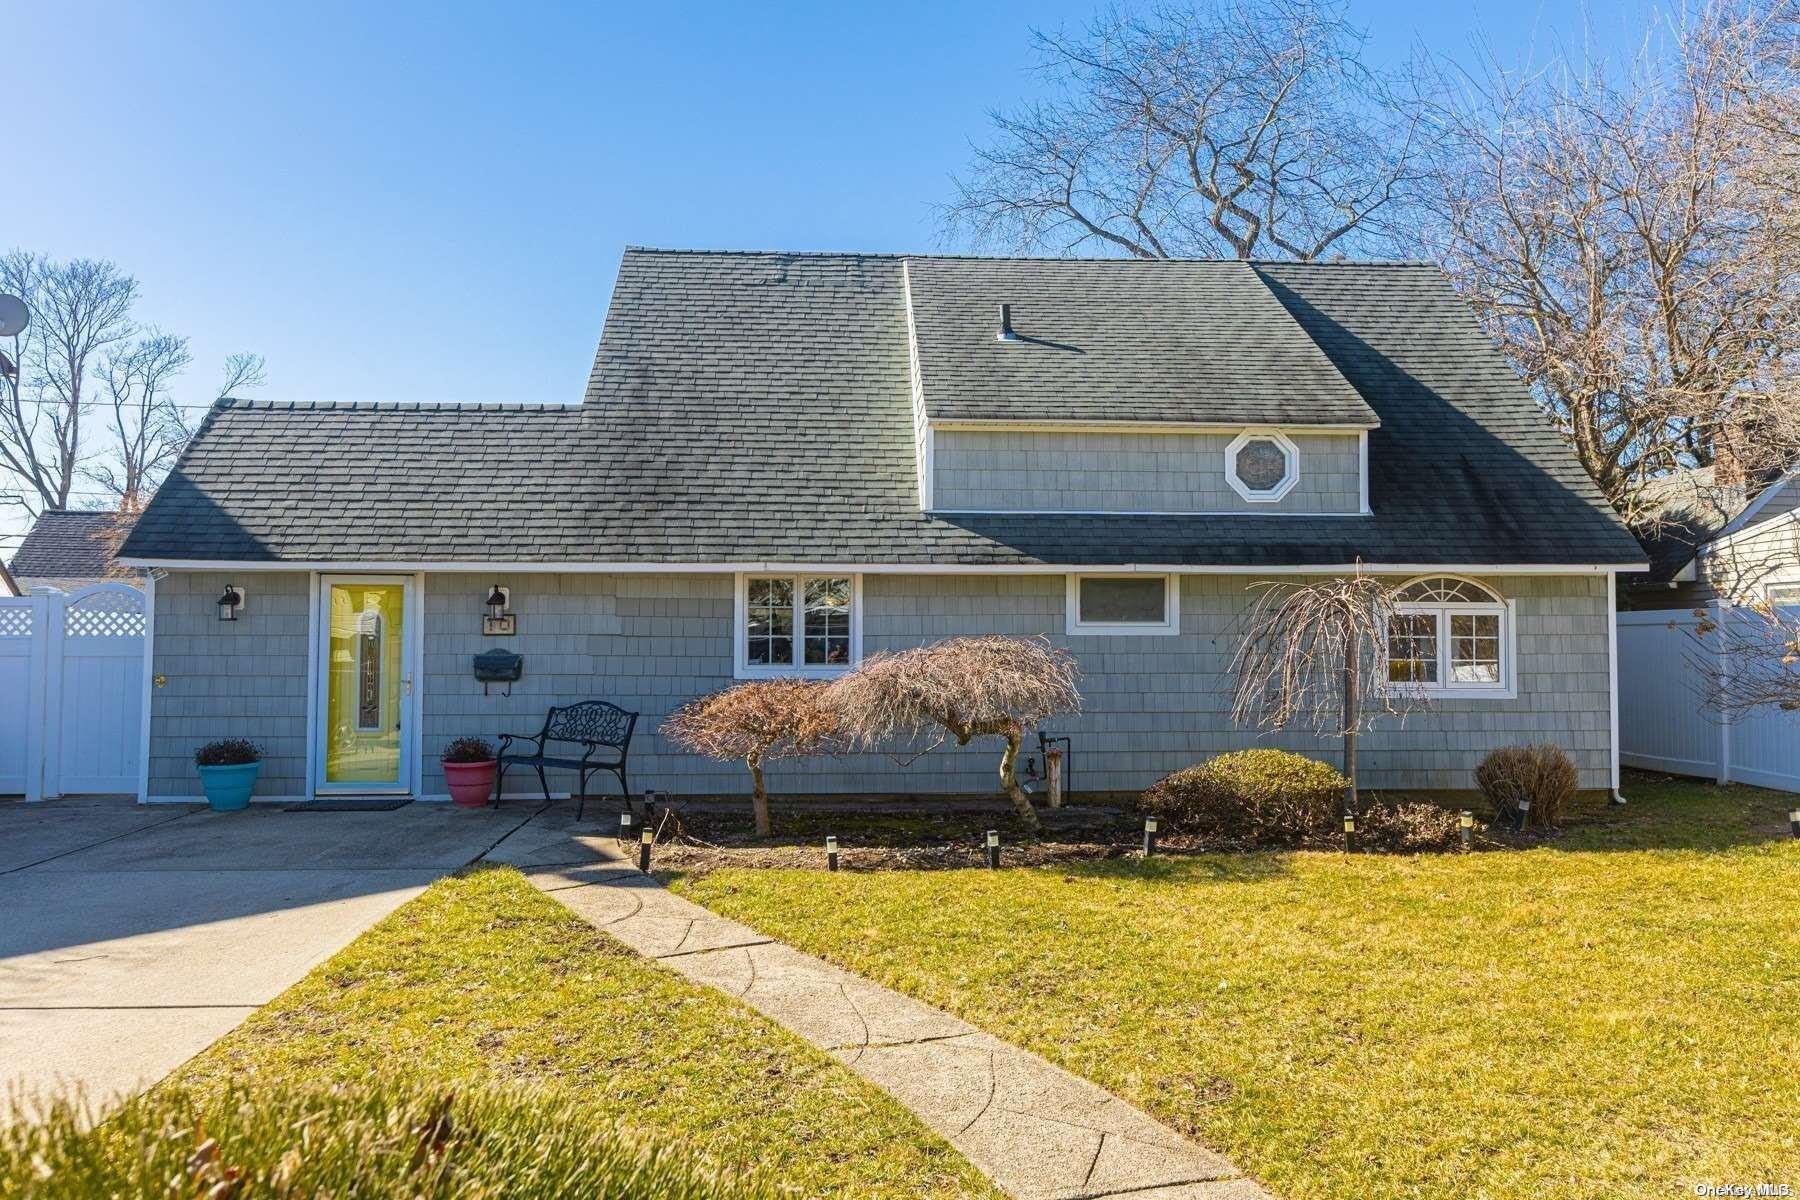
[[1166, 388]]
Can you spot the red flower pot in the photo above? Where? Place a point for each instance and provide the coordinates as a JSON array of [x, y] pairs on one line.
[[471, 784]]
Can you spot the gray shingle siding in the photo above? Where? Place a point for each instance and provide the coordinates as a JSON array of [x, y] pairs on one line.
[[994, 471], [244, 678], [649, 642]]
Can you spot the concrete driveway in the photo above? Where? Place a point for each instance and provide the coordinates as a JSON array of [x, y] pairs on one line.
[[132, 937]]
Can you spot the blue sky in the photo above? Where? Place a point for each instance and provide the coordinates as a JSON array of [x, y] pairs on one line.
[[412, 202]]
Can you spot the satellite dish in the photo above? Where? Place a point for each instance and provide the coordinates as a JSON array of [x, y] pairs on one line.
[[14, 316]]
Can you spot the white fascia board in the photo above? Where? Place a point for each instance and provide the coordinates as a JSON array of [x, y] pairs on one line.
[[855, 568], [1091, 426], [922, 440]]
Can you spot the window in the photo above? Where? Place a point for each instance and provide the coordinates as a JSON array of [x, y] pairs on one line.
[[1451, 637], [1123, 604], [1784, 594], [1262, 466], [797, 625]]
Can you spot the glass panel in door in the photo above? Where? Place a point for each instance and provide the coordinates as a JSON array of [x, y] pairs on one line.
[[364, 683]]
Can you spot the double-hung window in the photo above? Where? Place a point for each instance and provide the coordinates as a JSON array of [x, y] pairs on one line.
[[808, 625], [1451, 637]]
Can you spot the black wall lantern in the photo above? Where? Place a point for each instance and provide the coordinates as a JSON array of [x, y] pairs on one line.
[[495, 620], [231, 602]]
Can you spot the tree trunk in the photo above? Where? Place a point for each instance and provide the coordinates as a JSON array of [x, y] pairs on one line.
[[1352, 718], [1009, 778], [759, 798]]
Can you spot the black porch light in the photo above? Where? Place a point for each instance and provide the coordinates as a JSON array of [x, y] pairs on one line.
[[496, 603], [230, 600]]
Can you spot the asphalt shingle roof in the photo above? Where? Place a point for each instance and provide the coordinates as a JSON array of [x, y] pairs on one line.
[[1111, 340], [748, 407], [67, 545]]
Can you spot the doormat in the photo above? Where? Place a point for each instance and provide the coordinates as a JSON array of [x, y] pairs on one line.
[[352, 804]]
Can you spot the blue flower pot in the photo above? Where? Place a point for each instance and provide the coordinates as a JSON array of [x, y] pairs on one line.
[[228, 788]]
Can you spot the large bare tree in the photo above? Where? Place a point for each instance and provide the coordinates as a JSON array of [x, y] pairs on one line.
[[1236, 128], [1629, 237], [147, 426], [79, 309]]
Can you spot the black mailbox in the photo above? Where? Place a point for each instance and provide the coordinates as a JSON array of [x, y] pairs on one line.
[[499, 666]]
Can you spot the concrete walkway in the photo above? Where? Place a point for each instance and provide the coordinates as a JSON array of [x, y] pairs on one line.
[[1037, 1131]]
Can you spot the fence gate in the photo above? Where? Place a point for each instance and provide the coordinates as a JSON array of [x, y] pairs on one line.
[[72, 667]]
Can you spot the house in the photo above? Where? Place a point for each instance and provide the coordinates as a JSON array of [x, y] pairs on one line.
[[1729, 543], [67, 550], [786, 462]]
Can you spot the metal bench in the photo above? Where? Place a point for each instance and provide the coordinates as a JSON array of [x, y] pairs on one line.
[[594, 725]]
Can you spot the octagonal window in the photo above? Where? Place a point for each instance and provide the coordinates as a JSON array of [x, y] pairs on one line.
[[1262, 466]]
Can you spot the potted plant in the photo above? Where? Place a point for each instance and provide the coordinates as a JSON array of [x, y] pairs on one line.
[[469, 766], [228, 770]]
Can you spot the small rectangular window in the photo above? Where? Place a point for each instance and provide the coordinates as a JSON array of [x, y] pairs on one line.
[[1122, 604]]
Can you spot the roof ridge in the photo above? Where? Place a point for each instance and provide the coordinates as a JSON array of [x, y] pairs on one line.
[[902, 255], [235, 402]]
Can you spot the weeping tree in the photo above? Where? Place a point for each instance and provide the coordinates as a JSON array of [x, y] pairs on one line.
[[1317, 656], [755, 722], [961, 688]]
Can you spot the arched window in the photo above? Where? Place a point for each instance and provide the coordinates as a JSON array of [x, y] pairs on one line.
[[1451, 637]]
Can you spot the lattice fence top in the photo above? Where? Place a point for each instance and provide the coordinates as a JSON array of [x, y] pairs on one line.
[[113, 613], [15, 622]]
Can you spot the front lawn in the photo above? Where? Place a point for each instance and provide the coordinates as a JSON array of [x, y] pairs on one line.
[[1611, 1013], [484, 982]]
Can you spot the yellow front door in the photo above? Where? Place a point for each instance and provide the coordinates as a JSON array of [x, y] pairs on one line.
[[364, 656]]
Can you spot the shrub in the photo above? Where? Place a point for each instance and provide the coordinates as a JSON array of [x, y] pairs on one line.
[[227, 752], [1541, 774], [368, 1141], [1253, 795], [1408, 825], [468, 750]]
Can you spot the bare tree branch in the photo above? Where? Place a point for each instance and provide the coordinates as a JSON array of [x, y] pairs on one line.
[[1630, 239], [1247, 128]]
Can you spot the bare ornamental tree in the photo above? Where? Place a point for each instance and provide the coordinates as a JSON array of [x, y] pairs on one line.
[[962, 688], [755, 722], [1318, 656], [1234, 128]]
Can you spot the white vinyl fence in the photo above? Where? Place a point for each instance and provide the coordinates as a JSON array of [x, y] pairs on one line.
[[71, 691], [1662, 722]]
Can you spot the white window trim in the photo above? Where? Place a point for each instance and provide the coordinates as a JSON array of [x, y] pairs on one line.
[[1445, 688], [1169, 626], [1288, 449], [743, 668]]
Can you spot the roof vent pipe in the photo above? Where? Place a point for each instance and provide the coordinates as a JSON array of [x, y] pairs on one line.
[[1006, 333]]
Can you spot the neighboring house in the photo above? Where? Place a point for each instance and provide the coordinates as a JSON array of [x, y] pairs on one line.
[[787, 462], [1721, 543], [68, 550]]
